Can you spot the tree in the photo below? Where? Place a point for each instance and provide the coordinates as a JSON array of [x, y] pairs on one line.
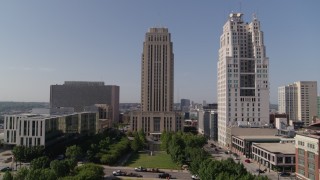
[[136, 144], [105, 143], [18, 153], [41, 174], [48, 174], [7, 176], [21, 173], [71, 163], [197, 156], [89, 171], [60, 168], [40, 163], [26, 154], [142, 137], [108, 159], [165, 139], [73, 152]]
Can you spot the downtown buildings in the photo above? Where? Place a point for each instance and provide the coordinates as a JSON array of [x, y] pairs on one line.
[[157, 84], [299, 101], [243, 80], [81, 94]]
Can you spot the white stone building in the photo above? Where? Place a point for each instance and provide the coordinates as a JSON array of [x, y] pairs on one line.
[[43, 129], [243, 80]]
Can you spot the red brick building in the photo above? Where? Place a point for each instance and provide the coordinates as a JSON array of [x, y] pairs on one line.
[[307, 153]]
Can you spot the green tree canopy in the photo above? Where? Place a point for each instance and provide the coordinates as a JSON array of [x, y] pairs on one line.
[[73, 152], [40, 163], [7, 176], [60, 168], [21, 173]]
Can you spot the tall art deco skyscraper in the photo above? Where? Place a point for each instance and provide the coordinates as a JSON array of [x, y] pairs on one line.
[[157, 71], [157, 82], [243, 82]]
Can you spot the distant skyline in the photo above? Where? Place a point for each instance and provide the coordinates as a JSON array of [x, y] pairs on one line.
[[48, 42]]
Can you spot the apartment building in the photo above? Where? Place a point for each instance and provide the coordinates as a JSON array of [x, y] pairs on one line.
[[299, 101]]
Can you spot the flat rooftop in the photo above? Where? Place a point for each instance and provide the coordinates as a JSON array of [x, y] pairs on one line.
[[238, 131], [284, 148], [314, 135], [260, 137]]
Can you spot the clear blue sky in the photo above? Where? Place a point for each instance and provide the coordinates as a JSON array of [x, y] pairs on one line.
[[49, 42]]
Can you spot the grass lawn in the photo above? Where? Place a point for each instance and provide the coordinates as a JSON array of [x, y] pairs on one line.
[[160, 160]]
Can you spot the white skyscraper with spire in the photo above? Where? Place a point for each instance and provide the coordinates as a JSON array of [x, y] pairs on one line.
[[243, 76]]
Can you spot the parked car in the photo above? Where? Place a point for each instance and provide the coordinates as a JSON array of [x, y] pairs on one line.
[[119, 173], [259, 171], [285, 174], [133, 175], [247, 161], [140, 169], [236, 158], [185, 167], [4, 169], [195, 177], [164, 175]]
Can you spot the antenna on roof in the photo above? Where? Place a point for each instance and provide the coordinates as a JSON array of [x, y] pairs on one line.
[[254, 15], [240, 6]]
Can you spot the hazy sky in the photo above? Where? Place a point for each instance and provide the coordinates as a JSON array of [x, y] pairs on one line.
[[49, 42]]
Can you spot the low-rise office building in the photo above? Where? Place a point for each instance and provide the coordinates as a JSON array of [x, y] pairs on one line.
[[242, 138], [104, 112], [279, 156], [242, 145], [44, 129]]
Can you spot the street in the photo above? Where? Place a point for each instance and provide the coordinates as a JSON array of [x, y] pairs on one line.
[[176, 174]]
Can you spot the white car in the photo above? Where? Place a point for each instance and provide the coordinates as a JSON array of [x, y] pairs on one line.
[[119, 173], [195, 177], [140, 169], [236, 158]]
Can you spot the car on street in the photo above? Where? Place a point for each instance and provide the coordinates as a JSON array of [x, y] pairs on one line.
[[259, 171], [140, 169], [4, 169], [284, 174], [195, 177], [247, 161], [164, 175], [236, 158], [119, 173]]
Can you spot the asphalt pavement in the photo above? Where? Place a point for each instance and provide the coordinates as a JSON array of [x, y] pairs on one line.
[[176, 174]]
